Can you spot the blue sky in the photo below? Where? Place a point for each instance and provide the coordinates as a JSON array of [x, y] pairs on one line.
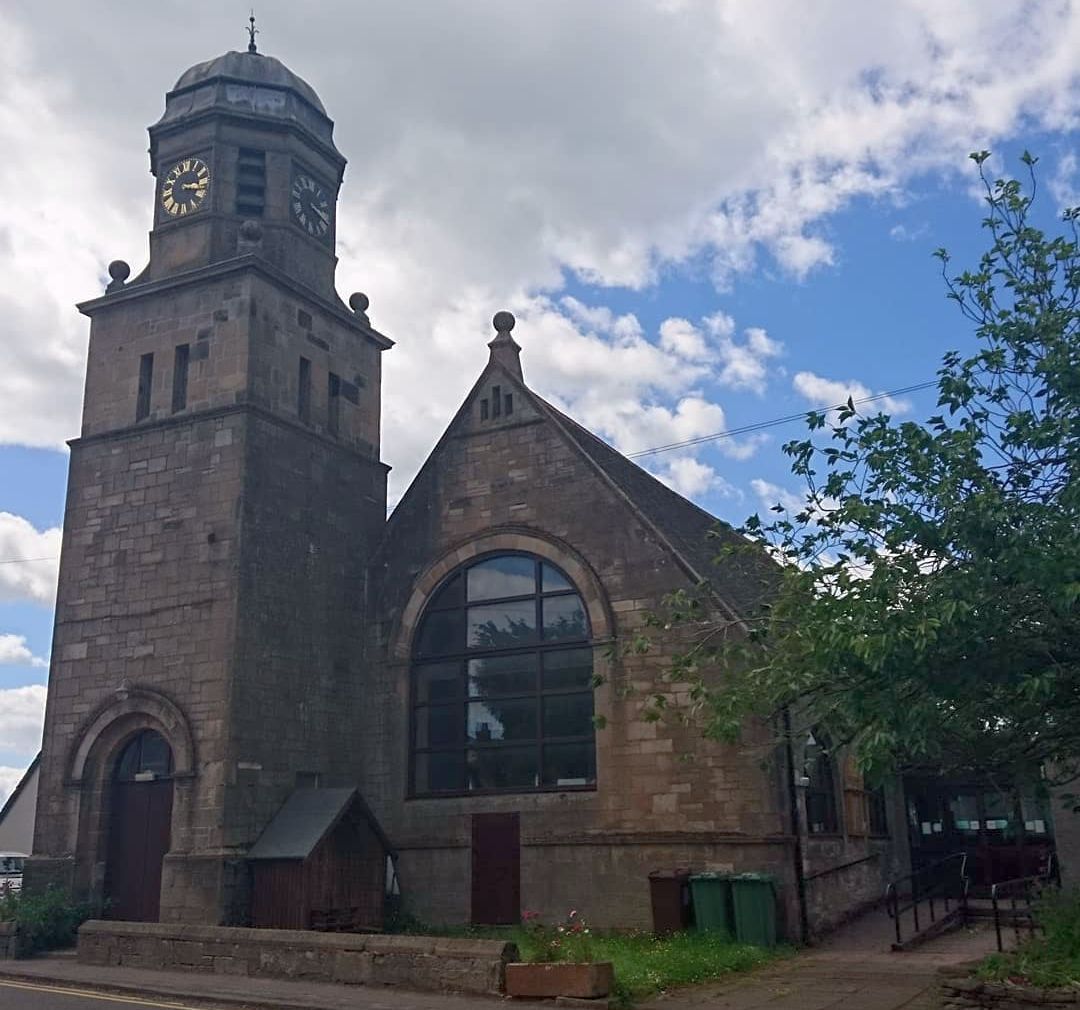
[[696, 231]]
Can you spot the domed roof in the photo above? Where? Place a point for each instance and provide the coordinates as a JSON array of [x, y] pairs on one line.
[[251, 67]]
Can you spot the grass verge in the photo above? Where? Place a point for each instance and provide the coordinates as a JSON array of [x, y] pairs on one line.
[[645, 965], [1047, 961]]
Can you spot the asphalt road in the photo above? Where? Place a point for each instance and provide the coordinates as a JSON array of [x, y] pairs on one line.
[[20, 996]]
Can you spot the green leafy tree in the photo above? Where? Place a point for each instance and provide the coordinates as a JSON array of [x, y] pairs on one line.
[[928, 607]]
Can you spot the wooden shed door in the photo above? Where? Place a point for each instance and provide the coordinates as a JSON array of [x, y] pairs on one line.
[[496, 869]]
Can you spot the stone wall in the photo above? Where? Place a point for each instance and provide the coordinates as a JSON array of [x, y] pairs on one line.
[[664, 796], [416, 962], [967, 993]]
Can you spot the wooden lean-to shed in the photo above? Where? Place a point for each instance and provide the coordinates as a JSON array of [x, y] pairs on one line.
[[320, 864]]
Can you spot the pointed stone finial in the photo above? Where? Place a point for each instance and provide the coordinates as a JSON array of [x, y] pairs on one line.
[[252, 32], [504, 349]]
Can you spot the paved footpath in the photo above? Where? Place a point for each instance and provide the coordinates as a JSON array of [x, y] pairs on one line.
[[854, 969]]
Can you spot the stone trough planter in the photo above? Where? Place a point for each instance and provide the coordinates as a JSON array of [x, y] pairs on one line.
[[560, 978]]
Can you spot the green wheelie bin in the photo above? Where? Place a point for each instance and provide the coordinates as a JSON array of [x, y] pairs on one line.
[[753, 898], [713, 908]]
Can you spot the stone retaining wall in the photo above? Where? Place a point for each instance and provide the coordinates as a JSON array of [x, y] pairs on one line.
[[967, 993], [417, 962]]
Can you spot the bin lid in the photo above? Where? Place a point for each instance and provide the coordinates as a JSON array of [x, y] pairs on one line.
[[712, 875], [758, 878], [676, 874]]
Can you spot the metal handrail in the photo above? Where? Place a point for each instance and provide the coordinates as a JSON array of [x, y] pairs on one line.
[[1009, 889], [941, 889]]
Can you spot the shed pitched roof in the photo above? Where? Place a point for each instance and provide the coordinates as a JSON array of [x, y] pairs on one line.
[[307, 817]]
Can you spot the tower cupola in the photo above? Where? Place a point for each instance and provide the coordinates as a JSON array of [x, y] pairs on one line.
[[244, 139]]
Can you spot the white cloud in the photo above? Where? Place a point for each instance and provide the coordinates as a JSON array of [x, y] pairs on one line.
[[22, 714], [613, 140], [15, 652], [692, 478], [822, 392], [1065, 182], [744, 365], [31, 559], [770, 495]]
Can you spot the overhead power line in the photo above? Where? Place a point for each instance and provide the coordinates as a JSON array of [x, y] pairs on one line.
[[730, 433], [776, 421]]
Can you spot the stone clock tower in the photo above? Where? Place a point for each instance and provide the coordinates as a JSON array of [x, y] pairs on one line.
[[225, 494]]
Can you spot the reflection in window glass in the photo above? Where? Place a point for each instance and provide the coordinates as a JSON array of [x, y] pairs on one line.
[[553, 581], [502, 625], [568, 714], [452, 594], [496, 704], [568, 668], [441, 633], [503, 719], [438, 726], [495, 675], [569, 764], [440, 772], [435, 682], [496, 578], [503, 768], [564, 618], [146, 755]]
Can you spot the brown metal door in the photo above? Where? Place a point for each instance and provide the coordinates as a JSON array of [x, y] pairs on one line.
[[139, 834], [496, 869]]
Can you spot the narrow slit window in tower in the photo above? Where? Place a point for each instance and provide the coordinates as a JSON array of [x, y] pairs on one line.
[[508, 403], [333, 404], [303, 398], [483, 410], [251, 182], [180, 377], [496, 401], [146, 380]]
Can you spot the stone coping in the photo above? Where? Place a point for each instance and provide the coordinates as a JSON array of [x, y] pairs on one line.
[[375, 943], [434, 963]]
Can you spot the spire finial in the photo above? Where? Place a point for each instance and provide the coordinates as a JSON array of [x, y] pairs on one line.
[[252, 32], [504, 348]]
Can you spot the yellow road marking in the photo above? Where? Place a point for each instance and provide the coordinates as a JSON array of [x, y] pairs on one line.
[[95, 995]]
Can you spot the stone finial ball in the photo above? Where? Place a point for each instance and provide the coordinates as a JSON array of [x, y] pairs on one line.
[[251, 231], [358, 301], [503, 321], [119, 271]]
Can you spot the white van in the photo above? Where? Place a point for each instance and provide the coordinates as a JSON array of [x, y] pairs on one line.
[[11, 870]]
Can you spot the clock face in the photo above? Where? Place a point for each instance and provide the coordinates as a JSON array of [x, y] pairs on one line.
[[185, 187], [310, 205]]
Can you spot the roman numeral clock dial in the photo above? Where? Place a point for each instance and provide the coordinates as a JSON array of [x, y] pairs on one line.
[[185, 187], [310, 205]]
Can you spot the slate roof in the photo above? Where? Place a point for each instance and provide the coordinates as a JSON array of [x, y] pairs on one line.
[[744, 580], [307, 817]]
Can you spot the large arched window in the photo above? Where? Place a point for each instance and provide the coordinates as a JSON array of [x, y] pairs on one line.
[[502, 688]]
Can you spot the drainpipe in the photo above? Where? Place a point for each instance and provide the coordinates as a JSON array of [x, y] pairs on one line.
[[793, 809]]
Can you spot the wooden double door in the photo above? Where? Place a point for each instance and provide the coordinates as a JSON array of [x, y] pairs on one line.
[[139, 836]]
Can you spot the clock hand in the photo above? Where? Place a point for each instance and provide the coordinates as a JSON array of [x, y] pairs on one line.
[[189, 185], [321, 214]]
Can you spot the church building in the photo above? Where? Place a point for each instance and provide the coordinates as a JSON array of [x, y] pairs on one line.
[[262, 687]]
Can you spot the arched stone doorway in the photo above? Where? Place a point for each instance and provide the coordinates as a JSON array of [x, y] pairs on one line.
[[140, 821]]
